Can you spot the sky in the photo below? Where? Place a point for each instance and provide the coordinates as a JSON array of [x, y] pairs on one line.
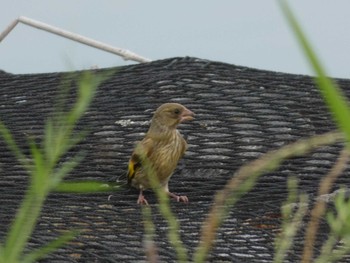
[[251, 33]]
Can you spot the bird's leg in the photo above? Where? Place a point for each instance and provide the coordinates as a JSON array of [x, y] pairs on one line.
[[142, 200], [178, 198]]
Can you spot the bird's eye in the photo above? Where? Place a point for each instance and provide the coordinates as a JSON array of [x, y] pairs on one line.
[[177, 111]]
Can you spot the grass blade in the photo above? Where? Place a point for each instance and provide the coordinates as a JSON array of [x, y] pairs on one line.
[[83, 187], [65, 169], [8, 138], [23, 225], [164, 208], [292, 220]]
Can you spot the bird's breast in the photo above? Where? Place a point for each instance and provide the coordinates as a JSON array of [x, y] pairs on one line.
[[168, 154]]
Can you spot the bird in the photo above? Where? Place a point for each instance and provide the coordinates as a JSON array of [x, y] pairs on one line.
[[161, 148]]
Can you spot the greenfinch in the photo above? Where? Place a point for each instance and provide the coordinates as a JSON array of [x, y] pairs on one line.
[[163, 146]]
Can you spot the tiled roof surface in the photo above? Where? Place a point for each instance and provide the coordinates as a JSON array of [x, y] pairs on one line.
[[241, 113]]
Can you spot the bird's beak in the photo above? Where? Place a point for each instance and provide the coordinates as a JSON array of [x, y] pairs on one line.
[[187, 115]]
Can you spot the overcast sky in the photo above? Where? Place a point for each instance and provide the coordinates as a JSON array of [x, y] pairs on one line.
[[250, 33]]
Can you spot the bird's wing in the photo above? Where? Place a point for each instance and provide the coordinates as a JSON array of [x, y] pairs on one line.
[[184, 146], [143, 149]]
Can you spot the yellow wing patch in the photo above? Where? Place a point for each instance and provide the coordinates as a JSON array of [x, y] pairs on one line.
[[131, 169], [133, 166], [142, 149]]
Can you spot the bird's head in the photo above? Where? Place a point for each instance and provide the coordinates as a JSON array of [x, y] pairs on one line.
[[171, 114]]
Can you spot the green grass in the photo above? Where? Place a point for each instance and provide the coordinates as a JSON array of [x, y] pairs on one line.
[[338, 106], [46, 171]]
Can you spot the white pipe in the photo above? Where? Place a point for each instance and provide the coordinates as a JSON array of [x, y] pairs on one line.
[[125, 54]]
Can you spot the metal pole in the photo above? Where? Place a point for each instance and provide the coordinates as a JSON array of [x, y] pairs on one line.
[[125, 54]]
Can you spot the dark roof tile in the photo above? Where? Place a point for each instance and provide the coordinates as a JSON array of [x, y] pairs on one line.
[[241, 113]]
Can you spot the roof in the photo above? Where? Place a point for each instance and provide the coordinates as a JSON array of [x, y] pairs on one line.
[[241, 113]]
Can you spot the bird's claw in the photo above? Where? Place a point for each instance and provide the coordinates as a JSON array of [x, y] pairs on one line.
[[179, 198], [183, 198], [142, 200]]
